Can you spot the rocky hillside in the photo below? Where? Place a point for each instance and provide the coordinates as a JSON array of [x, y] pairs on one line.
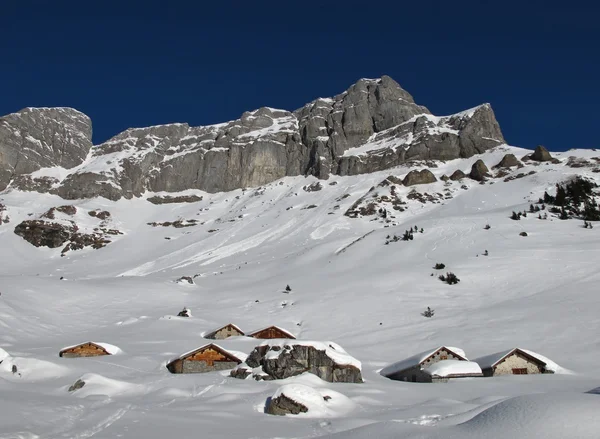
[[372, 126]]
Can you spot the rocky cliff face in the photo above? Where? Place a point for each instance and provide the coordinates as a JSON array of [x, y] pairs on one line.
[[372, 126], [36, 138]]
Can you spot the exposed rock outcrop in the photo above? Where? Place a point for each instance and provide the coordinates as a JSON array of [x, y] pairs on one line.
[[44, 234], [372, 126], [167, 199], [541, 154], [479, 171], [458, 175], [508, 161], [36, 138], [424, 176], [284, 359], [56, 228]]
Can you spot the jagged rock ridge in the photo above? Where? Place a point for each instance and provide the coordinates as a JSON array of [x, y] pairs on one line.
[[372, 126]]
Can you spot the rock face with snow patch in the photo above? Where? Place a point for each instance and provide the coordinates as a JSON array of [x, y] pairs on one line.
[[282, 359], [372, 126], [35, 138]]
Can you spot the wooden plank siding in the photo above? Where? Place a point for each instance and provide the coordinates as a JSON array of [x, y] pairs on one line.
[[84, 350], [270, 333]]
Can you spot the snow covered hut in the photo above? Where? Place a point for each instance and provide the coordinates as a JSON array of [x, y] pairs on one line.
[[229, 330], [445, 370], [207, 358], [88, 349], [271, 332], [515, 362], [418, 368]]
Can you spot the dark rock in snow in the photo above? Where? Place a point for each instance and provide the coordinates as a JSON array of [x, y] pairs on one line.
[[479, 171], [458, 175], [173, 200], [508, 161], [43, 233], [424, 176], [541, 154], [282, 405], [279, 360], [77, 385]]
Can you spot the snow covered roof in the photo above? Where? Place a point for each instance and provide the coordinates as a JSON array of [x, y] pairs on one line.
[[237, 328], [450, 368], [332, 350], [109, 348], [492, 360], [417, 359], [289, 334], [207, 346]]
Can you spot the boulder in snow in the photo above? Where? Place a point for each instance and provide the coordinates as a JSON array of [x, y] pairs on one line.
[[424, 176], [300, 399], [279, 359], [541, 154], [479, 171]]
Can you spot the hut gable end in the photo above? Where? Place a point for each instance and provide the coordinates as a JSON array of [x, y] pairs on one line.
[[205, 359], [272, 332], [441, 354], [518, 362], [88, 349], [229, 330]]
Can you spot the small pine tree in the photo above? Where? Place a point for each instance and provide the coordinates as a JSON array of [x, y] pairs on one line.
[[421, 230], [428, 313], [515, 216], [439, 266], [485, 253], [531, 208], [487, 227], [288, 289], [450, 278]]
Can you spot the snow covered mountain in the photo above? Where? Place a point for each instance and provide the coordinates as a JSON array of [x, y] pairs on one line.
[[118, 271], [372, 126]]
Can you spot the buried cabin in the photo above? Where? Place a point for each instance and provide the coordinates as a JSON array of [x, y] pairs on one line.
[[434, 365], [88, 349], [514, 362], [229, 330], [271, 332], [207, 358]]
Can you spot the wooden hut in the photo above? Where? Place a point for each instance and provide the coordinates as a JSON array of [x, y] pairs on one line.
[[88, 349], [207, 358], [415, 368], [271, 332], [229, 330], [513, 362]]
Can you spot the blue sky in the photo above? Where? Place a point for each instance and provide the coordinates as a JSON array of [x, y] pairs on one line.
[[130, 63]]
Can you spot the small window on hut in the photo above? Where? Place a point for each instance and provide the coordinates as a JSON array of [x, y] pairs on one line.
[[520, 371], [443, 357]]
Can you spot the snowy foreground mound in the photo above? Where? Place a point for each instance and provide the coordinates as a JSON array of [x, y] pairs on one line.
[[526, 280], [548, 416]]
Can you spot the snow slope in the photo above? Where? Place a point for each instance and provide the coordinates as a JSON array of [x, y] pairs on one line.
[[538, 291]]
